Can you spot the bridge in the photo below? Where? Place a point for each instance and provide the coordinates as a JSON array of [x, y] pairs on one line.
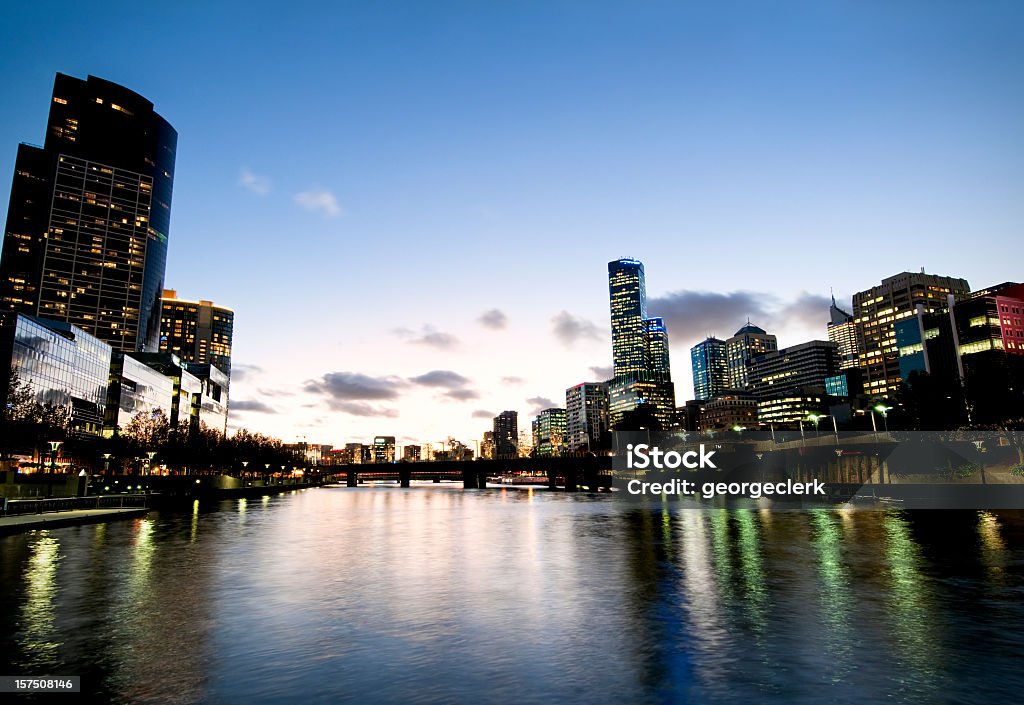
[[569, 472]]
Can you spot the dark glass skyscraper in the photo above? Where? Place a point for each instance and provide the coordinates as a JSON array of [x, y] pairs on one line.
[[87, 226]]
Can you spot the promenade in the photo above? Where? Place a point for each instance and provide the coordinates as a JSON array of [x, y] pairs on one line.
[[51, 520]]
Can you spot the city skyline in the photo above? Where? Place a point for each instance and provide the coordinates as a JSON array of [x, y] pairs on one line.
[[370, 234]]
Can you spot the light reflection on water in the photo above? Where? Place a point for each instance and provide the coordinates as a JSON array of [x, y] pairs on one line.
[[434, 594]]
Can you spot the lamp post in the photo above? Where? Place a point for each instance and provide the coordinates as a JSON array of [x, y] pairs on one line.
[[149, 465], [54, 447], [815, 419], [884, 411], [739, 430], [106, 464]]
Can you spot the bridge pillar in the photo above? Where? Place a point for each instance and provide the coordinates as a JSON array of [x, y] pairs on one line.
[[481, 479], [436, 479], [552, 479], [571, 479], [351, 478], [404, 476], [590, 479], [468, 479]]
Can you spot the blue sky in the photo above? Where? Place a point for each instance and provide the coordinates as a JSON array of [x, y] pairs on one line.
[[361, 181]]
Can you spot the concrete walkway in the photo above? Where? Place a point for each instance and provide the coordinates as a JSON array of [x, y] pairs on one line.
[[49, 520]]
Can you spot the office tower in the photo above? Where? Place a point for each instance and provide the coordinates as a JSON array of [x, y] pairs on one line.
[[748, 342], [87, 226], [729, 412], [842, 330], [640, 351], [876, 310], [384, 449], [487, 445], [789, 383], [628, 297], [710, 368], [506, 434], [411, 453], [586, 416], [196, 331], [59, 364], [549, 432]]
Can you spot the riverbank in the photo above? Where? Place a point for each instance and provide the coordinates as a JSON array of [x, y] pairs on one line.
[[51, 520]]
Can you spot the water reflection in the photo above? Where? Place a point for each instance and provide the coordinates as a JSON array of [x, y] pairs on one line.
[[439, 595]]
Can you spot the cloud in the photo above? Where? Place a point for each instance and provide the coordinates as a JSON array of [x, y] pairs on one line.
[[462, 394], [253, 182], [428, 336], [440, 378], [512, 380], [275, 393], [602, 373], [240, 371], [493, 319], [539, 404], [246, 405], [349, 386], [358, 408], [692, 315], [569, 329], [318, 199], [483, 414]]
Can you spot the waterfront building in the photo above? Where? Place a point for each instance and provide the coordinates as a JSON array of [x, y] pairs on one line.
[[506, 434], [728, 411], [384, 449], [747, 343], [710, 368], [789, 383], [487, 445], [628, 296], [549, 432], [196, 331], [60, 364], [878, 309], [586, 416], [688, 415], [87, 226], [412, 453], [193, 401], [627, 393], [135, 388], [842, 330]]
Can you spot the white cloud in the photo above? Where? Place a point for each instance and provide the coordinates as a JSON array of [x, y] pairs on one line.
[[319, 199], [254, 182]]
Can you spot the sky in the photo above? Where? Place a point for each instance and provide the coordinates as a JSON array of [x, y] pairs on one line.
[[411, 206]]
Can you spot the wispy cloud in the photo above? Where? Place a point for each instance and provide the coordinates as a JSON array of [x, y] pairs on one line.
[[601, 373], [319, 200], [483, 414], [359, 408], [570, 329], [440, 378], [512, 380], [241, 371], [254, 182], [428, 336], [493, 319], [462, 394], [251, 405], [539, 404], [353, 386]]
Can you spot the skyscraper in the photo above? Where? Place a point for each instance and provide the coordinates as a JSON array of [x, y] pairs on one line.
[[842, 330], [87, 226], [628, 296], [748, 342], [196, 331], [710, 368], [586, 416], [549, 432], [506, 434], [640, 352], [877, 309]]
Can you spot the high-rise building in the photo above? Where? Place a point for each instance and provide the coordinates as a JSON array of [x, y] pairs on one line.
[[549, 432], [710, 368], [586, 416], [384, 449], [196, 331], [640, 351], [506, 434], [628, 297], [412, 453], [877, 309], [87, 226], [748, 342], [789, 384], [842, 330]]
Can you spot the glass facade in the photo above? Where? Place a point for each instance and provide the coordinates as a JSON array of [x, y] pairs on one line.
[[586, 415], [135, 388], [710, 368], [748, 342], [506, 434], [62, 365], [549, 432], [87, 226], [628, 310]]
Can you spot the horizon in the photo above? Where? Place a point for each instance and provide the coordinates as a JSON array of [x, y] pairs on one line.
[[458, 177]]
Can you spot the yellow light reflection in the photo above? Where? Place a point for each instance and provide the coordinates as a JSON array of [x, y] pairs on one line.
[[37, 639]]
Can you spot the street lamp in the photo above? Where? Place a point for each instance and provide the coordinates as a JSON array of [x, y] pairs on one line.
[[106, 463], [739, 429], [149, 465], [884, 411], [54, 446]]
